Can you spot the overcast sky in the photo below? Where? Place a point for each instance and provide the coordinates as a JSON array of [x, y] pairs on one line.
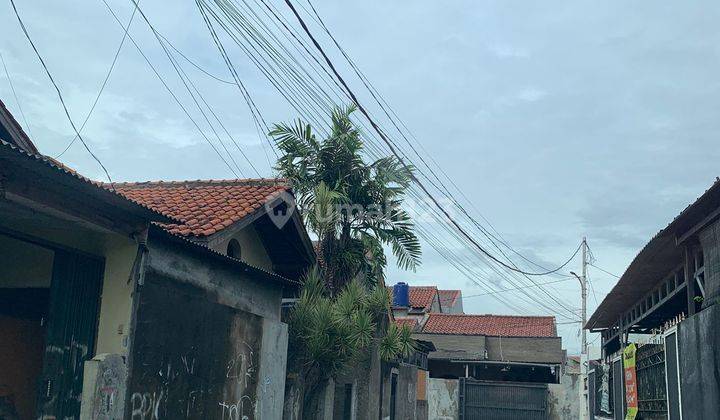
[[558, 119]]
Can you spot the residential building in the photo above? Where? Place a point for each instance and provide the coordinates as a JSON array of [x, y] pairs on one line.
[[485, 361], [666, 305], [494, 347], [416, 302], [154, 300], [451, 301]]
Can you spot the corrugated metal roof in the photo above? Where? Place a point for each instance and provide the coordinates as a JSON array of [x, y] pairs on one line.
[[17, 135], [42, 167], [654, 261]]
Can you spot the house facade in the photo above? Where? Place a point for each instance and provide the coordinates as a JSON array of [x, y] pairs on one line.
[[664, 310], [483, 365], [140, 301]]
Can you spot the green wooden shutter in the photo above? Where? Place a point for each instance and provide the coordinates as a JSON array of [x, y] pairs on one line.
[[72, 328]]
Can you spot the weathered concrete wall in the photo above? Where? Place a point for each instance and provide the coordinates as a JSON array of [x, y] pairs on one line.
[[104, 388], [443, 399], [521, 349], [272, 370], [226, 283], [699, 355], [406, 400], [208, 341], [452, 346], [564, 398], [365, 378]]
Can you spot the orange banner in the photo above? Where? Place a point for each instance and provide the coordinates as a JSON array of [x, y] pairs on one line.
[[630, 382]]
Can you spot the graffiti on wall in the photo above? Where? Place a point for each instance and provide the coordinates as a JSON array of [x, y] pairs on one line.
[[192, 357]]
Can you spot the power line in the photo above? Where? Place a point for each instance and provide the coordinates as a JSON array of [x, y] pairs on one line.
[[373, 92], [104, 83], [12, 88], [57, 89], [604, 271], [463, 265], [393, 149], [254, 111], [511, 289], [383, 104], [167, 87]]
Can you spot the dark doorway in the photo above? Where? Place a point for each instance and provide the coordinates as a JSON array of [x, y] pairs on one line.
[[25, 273], [347, 407], [393, 394]]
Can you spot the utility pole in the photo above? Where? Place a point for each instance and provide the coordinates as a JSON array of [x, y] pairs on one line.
[[584, 360]]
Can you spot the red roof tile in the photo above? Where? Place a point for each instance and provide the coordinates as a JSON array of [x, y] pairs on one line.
[[412, 323], [204, 207], [492, 325], [420, 296]]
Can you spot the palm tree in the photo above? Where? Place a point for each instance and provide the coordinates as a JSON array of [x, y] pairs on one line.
[[329, 335], [353, 207]]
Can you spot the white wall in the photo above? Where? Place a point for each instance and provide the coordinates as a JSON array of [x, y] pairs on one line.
[[116, 300], [252, 250], [443, 399]]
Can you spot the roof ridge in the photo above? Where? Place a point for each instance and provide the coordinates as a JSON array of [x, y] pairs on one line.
[[493, 315], [203, 182]]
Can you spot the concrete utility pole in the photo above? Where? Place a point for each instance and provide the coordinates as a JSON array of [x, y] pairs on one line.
[[584, 360]]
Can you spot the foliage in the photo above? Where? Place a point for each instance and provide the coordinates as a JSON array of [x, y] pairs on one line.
[[352, 206], [330, 334], [355, 210]]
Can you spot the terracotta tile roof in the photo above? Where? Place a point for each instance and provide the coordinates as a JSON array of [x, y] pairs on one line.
[[204, 207], [492, 325], [412, 323], [448, 297], [421, 297]]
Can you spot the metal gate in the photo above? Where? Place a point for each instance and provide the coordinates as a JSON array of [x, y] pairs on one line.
[[502, 400], [652, 389]]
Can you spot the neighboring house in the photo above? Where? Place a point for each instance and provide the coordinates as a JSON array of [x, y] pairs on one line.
[[414, 301], [408, 322], [493, 366], [128, 306], [494, 347], [666, 302], [451, 301], [485, 366], [417, 302]]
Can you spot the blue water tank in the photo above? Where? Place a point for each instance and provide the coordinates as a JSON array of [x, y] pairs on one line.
[[401, 295]]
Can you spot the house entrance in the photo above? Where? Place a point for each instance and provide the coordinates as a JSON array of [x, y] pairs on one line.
[[49, 300]]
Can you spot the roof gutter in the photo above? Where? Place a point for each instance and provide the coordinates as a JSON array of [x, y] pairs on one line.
[[493, 362]]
